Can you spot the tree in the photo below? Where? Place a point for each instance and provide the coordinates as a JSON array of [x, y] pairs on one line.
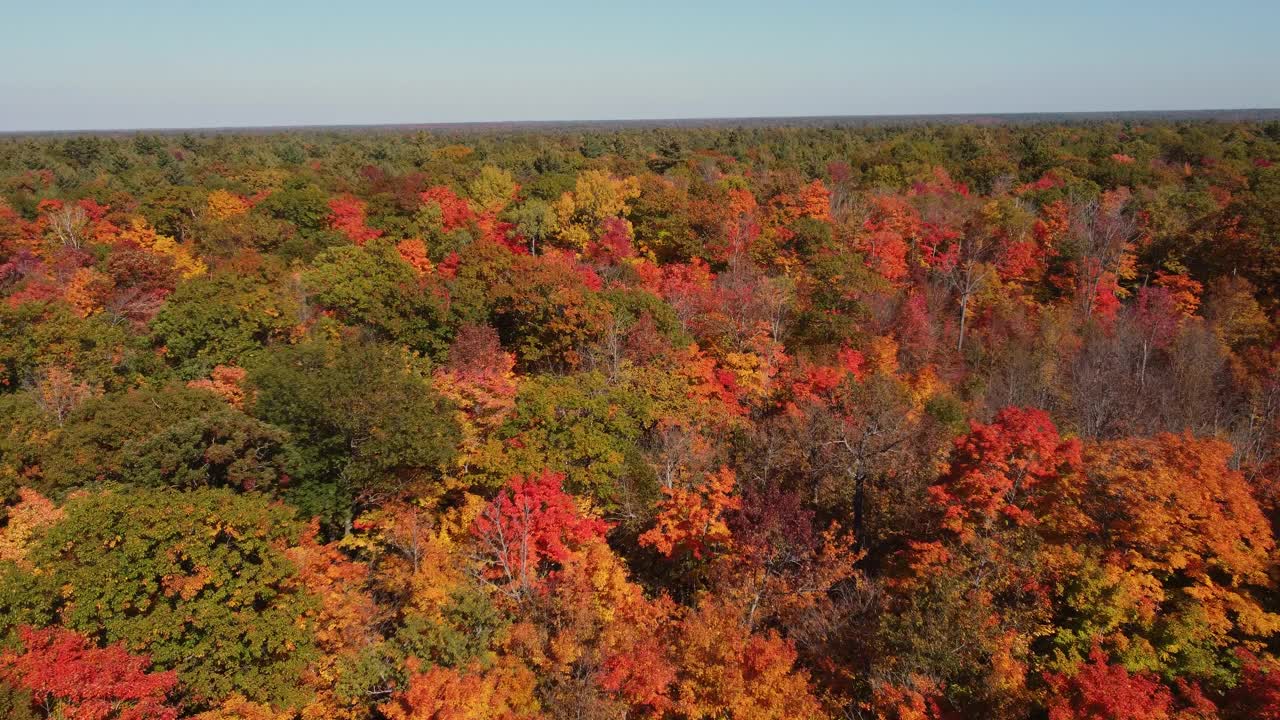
[[71, 680], [693, 521], [220, 448], [1169, 513], [727, 671], [586, 424], [531, 526], [504, 692], [493, 189], [1100, 691], [104, 437], [223, 319], [547, 309], [1003, 471], [213, 596], [1101, 234], [347, 216], [596, 196], [374, 287], [363, 416]]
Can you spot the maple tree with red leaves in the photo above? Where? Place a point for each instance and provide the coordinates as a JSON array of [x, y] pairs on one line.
[[531, 525], [998, 467], [1102, 691], [69, 678]]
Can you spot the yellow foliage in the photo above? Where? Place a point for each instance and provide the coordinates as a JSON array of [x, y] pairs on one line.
[[222, 205], [493, 189], [184, 261], [33, 513], [596, 195], [237, 707]]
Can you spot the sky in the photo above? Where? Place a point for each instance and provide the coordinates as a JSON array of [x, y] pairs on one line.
[[181, 63]]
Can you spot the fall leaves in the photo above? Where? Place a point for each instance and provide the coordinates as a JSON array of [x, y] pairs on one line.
[[712, 423]]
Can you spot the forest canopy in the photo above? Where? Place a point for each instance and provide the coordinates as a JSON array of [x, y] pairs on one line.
[[891, 422]]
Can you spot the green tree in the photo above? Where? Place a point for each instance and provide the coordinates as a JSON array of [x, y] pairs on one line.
[[196, 580], [222, 447], [100, 440], [222, 319], [373, 287], [365, 419]]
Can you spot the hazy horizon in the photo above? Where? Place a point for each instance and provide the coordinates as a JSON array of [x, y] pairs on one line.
[[390, 62], [1046, 116]]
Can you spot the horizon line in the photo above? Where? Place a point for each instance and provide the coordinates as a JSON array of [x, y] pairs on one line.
[[1264, 113]]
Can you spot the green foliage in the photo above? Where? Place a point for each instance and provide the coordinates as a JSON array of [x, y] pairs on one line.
[[209, 591], [100, 352], [464, 632], [107, 438], [364, 418], [372, 287], [15, 703], [305, 206], [630, 305], [586, 425], [547, 312], [219, 448], [222, 319]]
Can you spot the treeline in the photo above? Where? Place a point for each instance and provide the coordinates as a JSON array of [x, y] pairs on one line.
[[932, 421]]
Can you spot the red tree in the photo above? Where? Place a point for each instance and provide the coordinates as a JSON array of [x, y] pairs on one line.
[[531, 524], [72, 680], [1100, 691]]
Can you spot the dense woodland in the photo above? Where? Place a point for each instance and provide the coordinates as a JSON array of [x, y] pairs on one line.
[[905, 423]]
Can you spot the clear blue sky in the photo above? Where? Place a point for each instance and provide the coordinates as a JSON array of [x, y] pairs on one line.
[[182, 63]]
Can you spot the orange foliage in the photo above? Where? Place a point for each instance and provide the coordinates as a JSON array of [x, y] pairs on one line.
[[227, 381], [693, 520], [502, 692], [27, 518], [414, 252], [343, 621], [223, 205], [725, 670]]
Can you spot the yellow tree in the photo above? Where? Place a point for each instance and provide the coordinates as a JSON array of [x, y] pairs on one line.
[[596, 196], [1183, 553]]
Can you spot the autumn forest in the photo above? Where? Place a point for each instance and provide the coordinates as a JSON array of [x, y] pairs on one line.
[[913, 421]]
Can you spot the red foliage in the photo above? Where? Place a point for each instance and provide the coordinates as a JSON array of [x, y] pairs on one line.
[[1106, 302], [1257, 695], [61, 670], [1158, 316], [347, 217], [1100, 691], [1053, 225], [1048, 181], [996, 466], [1020, 262], [531, 523], [1184, 291], [938, 247], [815, 201], [454, 210], [614, 242], [915, 326], [942, 184], [891, 223]]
